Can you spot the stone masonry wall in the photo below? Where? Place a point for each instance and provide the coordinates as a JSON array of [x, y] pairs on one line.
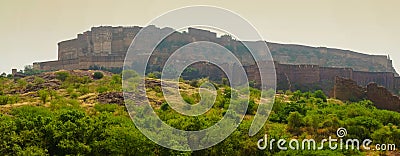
[[385, 79], [382, 98], [348, 90], [397, 83], [106, 46]]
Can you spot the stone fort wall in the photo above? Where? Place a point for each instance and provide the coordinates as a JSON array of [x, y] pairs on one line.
[[106, 46], [288, 76]]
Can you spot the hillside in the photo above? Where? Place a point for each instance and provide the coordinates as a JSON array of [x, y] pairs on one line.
[[81, 112]]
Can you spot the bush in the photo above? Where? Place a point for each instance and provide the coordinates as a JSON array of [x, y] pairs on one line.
[[4, 100], [126, 74], [38, 80], [102, 89], [295, 121], [43, 94], [320, 94], [164, 106], [62, 75], [154, 75], [74, 95], [83, 90], [251, 108], [98, 75], [106, 107], [22, 83], [70, 90], [188, 99]]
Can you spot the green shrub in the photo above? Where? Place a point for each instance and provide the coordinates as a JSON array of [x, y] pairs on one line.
[[38, 80], [102, 89], [70, 90], [126, 74], [154, 75], [74, 95], [106, 107], [320, 94], [251, 108], [4, 99], [43, 95], [164, 106], [83, 90], [22, 83], [85, 80], [98, 75], [188, 99], [62, 75]]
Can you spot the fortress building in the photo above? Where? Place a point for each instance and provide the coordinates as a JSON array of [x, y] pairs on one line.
[[297, 66]]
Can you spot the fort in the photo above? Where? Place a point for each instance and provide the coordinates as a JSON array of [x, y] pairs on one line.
[[297, 66]]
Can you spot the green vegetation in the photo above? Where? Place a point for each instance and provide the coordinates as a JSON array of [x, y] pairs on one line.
[[28, 70], [43, 95], [98, 75], [62, 75], [70, 121]]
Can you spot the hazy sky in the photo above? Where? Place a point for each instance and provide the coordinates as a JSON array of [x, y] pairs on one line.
[[31, 29]]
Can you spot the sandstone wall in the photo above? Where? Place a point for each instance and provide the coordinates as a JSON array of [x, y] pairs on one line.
[[302, 74], [348, 90], [329, 73], [68, 49], [385, 79], [99, 41], [61, 64], [382, 98], [82, 63], [397, 83]]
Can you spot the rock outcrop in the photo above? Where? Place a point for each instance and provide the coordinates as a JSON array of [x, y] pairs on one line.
[[111, 98]]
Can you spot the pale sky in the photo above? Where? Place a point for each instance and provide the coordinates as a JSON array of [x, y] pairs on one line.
[[31, 29]]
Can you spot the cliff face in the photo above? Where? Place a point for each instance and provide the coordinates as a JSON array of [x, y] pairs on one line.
[[297, 66]]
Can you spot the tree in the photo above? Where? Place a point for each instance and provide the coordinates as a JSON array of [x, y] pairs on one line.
[[28, 70], [295, 121]]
